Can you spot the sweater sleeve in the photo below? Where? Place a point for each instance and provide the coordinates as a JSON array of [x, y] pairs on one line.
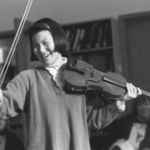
[[14, 96], [100, 114]]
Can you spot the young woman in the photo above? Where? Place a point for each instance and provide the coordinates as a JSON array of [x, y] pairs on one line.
[[56, 118]]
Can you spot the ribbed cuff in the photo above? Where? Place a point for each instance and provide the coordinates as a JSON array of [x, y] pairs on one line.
[[121, 105]]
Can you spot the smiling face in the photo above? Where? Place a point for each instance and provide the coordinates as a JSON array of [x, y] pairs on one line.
[[44, 47]]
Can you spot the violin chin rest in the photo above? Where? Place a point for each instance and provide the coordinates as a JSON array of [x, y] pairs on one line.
[[71, 62]]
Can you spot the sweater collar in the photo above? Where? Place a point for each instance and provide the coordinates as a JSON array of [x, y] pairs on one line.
[[56, 67]]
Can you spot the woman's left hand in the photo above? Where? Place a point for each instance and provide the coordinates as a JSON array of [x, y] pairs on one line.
[[132, 92]]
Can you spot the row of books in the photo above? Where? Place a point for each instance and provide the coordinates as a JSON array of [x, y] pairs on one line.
[[82, 38]]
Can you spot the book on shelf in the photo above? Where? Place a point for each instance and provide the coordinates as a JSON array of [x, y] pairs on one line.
[[82, 33], [105, 34], [68, 33], [84, 39], [72, 38], [99, 38], [92, 36], [78, 32]]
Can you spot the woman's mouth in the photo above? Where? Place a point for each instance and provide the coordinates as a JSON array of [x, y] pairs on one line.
[[45, 55]]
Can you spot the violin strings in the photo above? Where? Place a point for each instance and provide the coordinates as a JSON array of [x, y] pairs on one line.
[[16, 39], [121, 83], [114, 79]]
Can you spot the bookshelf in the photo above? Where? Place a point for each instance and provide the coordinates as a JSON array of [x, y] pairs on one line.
[[96, 42]]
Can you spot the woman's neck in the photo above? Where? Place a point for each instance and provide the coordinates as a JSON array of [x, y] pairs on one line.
[[57, 63]]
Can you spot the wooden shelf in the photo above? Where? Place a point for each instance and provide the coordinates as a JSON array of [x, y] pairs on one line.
[[89, 50], [96, 37]]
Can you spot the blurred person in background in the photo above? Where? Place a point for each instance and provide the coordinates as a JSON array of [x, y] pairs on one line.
[[133, 131], [130, 132]]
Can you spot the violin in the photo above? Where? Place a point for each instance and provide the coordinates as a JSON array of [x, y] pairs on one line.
[[82, 76]]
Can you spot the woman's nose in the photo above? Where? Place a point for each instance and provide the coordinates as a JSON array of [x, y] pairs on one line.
[[41, 48]]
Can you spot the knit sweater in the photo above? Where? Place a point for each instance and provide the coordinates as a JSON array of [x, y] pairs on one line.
[[56, 119]]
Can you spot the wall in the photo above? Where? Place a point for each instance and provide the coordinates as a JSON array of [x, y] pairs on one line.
[[68, 11]]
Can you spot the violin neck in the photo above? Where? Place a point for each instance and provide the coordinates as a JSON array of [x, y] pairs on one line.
[[145, 93], [121, 83]]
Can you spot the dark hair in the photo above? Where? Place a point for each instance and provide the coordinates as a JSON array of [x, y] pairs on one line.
[[60, 40], [139, 101]]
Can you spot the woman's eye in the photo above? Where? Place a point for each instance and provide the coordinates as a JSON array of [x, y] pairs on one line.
[[34, 47], [46, 43]]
